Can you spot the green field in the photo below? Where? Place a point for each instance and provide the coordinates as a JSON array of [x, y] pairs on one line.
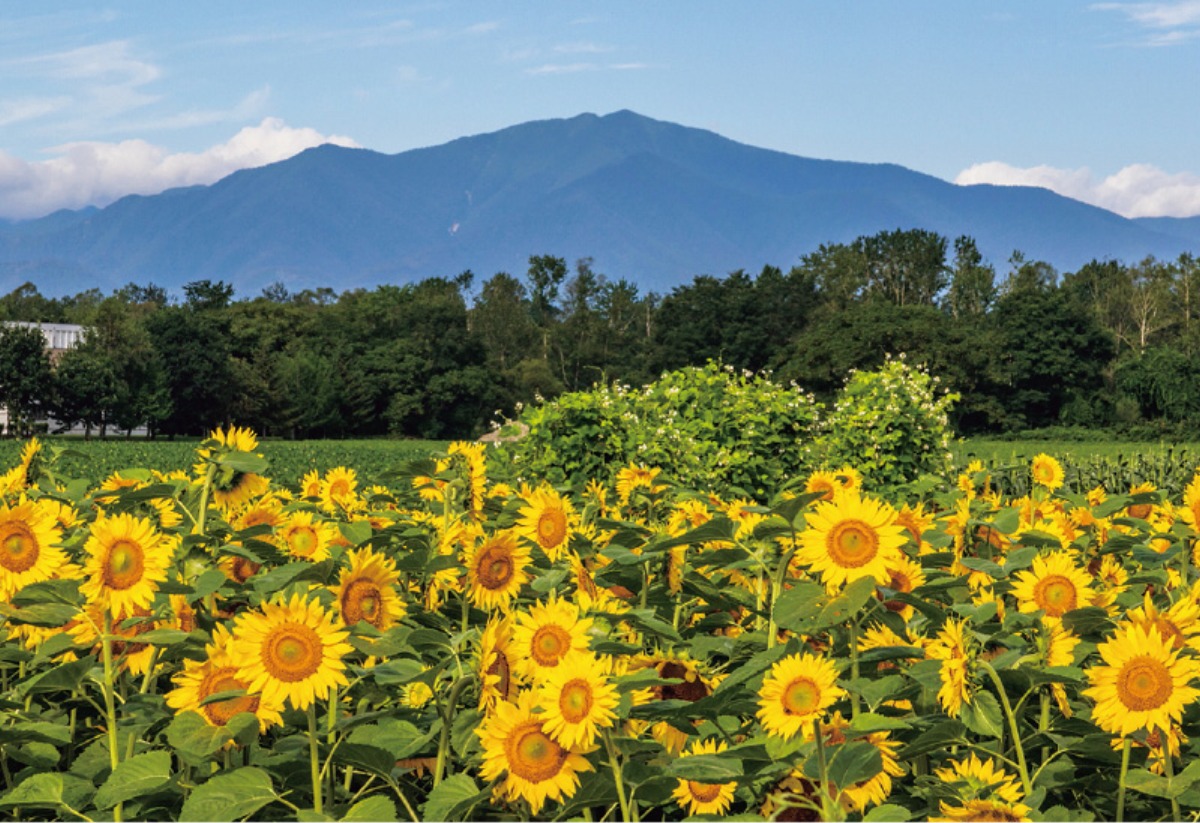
[[288, 459]]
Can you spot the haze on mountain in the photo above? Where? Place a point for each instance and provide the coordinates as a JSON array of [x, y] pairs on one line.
[[651, 201]]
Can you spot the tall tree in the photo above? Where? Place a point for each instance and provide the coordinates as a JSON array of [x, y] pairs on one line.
[[26, 378]]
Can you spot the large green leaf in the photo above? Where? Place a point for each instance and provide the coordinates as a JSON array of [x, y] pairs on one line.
[[452, 798], [374, 808], [229, 796], [49, 790], [139, 775]]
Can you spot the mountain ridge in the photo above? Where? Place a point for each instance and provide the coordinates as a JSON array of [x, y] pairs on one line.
[[652, 201]]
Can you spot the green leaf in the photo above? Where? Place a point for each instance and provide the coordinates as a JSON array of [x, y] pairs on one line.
[[983, 716], [367, 758], [706, 768], [889, 811], [229, 796], [356, 531], [49, 789], [868, 722], [376, 807], [847, 764], [451, 799], [194, 739], [846, 605], [245, 462], [139, 775], [1007, 521], [65, 678]]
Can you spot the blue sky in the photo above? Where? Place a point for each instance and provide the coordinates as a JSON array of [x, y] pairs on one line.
[[1096, 100]]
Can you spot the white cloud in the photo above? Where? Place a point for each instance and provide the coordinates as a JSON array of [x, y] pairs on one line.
[[1139, 190], [95, 173], [1171, 22]]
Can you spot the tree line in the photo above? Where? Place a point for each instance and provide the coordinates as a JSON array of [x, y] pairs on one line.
[[1112, 344]]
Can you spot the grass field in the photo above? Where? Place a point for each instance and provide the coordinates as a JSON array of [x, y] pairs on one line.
[[288, 460]]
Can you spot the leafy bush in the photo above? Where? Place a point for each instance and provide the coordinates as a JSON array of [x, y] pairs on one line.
[[703, 426], [891, 424]]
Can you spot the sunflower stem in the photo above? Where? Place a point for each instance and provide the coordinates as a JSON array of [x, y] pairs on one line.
[[110, 705], [1044, 721], [1169, 770], [854, 666], [823, 770], [314, 761], [615, 765], [776, 590], [1120, 817], [331, 737], [1012, 726], [202, 515]]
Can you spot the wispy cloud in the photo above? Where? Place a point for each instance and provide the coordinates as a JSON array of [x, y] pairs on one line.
[[22, 110], [1139, 190], [572, 68], [582, 48], [97, 173], [1168, 23]]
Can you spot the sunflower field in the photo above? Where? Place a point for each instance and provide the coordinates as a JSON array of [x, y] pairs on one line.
[[221, 643]]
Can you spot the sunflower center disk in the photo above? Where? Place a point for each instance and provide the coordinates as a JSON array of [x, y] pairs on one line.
[[303, 541], [575, 701], [802, 696], [1055, 594], [361, 601], [495, 568], [1144, 684], [532, 755], [1169, 631], [550, 645], [125, 565], [292, 653], [222, 711], [704, 792], [551, 528], [852, 543], [20, 550]]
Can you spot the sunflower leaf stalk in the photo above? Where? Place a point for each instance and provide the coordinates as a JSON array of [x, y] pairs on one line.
[[110, 705], [1014, 730]]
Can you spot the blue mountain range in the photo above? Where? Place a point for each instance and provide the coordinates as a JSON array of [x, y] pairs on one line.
[[651, 201]]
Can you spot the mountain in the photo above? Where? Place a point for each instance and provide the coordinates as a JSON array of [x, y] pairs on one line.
[[652, 201]]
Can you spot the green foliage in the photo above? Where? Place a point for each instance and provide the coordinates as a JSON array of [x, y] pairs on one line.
[[890, 424], [701, 424]]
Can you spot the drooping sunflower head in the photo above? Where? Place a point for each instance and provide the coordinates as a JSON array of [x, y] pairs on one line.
[[290, 650], [476, 464], [547, 519], [547, 635], [232, 488], [849, 538], [29, 533], [954, 646], [496, 570], [636, 476], [1054, 585], [824, 483], [310, 484], [704, 798], [985, 791], [1143, 682], [904, 575], [496, 667], [1141, 510], [367, 590], [797, 691], [1047, 472], [577, 701], [517, 747], [127, 560]]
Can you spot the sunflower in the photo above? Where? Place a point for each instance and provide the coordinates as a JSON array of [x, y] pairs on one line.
[[903, 576], [797, 691], [28, 532], [634, 477], [1141, 511], [473, 456], [1180, 624], [131, 654], [1047, 472], [704, 798], [266, 511], [231, 489], [547, 519], [874, 790], [517, 746], [290, 651], [496, 570], [986, 792], [576, 700], [127, 560], [1143, 682], [1058, 649], [1054, 585], [306, 536], [548, 634], [824, 483], [416, 695], [952, 647], [310, 484], [850, 538], [338, 489], [1191, 503], [201, 679], [367, 590], [495, 666]]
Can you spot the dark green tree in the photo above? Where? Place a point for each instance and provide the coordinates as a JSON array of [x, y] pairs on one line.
[[26, 378]]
